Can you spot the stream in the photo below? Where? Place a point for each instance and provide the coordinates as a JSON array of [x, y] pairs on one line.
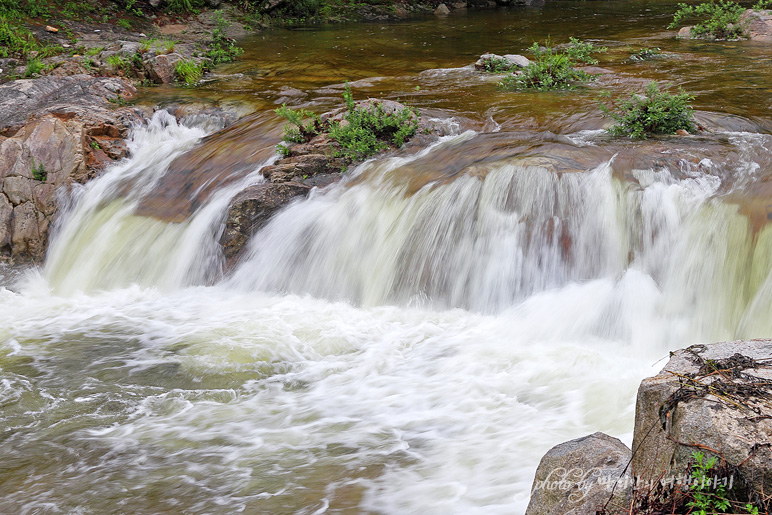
[[413, 338]]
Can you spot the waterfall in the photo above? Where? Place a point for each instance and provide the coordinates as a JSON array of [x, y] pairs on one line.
[[411, 339]]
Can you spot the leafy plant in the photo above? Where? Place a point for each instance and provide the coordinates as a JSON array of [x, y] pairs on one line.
[[117, 63], [298, 130], [94, 51], [715, 19], [655, 112], [34, 67], [38, 171], [184, 6], [222, 48], [552, 68], [709, 496], [763, 5], [371, 128], [189, 71], [124, 23], [364, 130], [496, 64]]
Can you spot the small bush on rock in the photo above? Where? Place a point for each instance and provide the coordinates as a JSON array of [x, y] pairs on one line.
[[553, 69], [369, 129], [655, 112], [715, 20], [364, 130]]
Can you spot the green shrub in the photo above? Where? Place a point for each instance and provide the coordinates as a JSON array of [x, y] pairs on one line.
[[552, 68], [38, 171], [495, 64], [116, 62], [298, 130], [34, 67], [222, 48], [184, 6], [717, 20], [763, 5], [364, 131], [655, 112], [188, 71], [708, 497], [15, 40], [369, 129]]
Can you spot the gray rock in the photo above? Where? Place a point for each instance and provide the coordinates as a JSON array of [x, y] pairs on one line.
[[520, 61], [6, 211], [25, 233], [513, 61], [18, 189], [581, 476], [673, 420], [757, 24], [442, 10]]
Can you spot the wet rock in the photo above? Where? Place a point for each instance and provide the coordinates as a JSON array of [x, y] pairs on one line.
[[442, 10], [48, 126], [580, 476], [161, 67], [308, 165], [26, 241], [708, 397], [252, 208]]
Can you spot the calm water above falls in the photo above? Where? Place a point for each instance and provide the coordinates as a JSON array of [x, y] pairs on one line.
[[413, 339]]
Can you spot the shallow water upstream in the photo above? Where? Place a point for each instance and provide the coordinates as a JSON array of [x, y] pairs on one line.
[[415, 337]]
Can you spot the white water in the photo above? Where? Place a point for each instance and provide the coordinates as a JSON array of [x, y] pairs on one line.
[[377, 351]]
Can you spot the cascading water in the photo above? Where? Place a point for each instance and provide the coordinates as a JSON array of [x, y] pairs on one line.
[[378, 349]]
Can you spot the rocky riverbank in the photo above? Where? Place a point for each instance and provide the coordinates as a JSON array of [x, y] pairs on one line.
[[709, 402]]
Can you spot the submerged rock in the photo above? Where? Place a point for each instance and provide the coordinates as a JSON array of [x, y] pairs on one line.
[[713, 399], [581, 476]]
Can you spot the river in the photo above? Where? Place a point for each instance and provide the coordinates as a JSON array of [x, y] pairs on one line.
[[415, 337]]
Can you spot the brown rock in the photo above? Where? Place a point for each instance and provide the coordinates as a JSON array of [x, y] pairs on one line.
[[160, 68], [49, 28], [442, 10]]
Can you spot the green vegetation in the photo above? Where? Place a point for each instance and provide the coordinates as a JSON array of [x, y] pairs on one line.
[[371, 128], [495, 64], [189, 71], [763, 5], [298, 130], [185, 6], [124, 23], [364, 130], [38, 171], [645, 54], [34, 67], [655, 112], [708, 497], [116, 62], [714, 20], [553, 69], [222, 48]]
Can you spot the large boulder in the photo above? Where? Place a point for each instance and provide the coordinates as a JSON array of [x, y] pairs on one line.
[[582, 476], [53, 131], [713, 399]]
